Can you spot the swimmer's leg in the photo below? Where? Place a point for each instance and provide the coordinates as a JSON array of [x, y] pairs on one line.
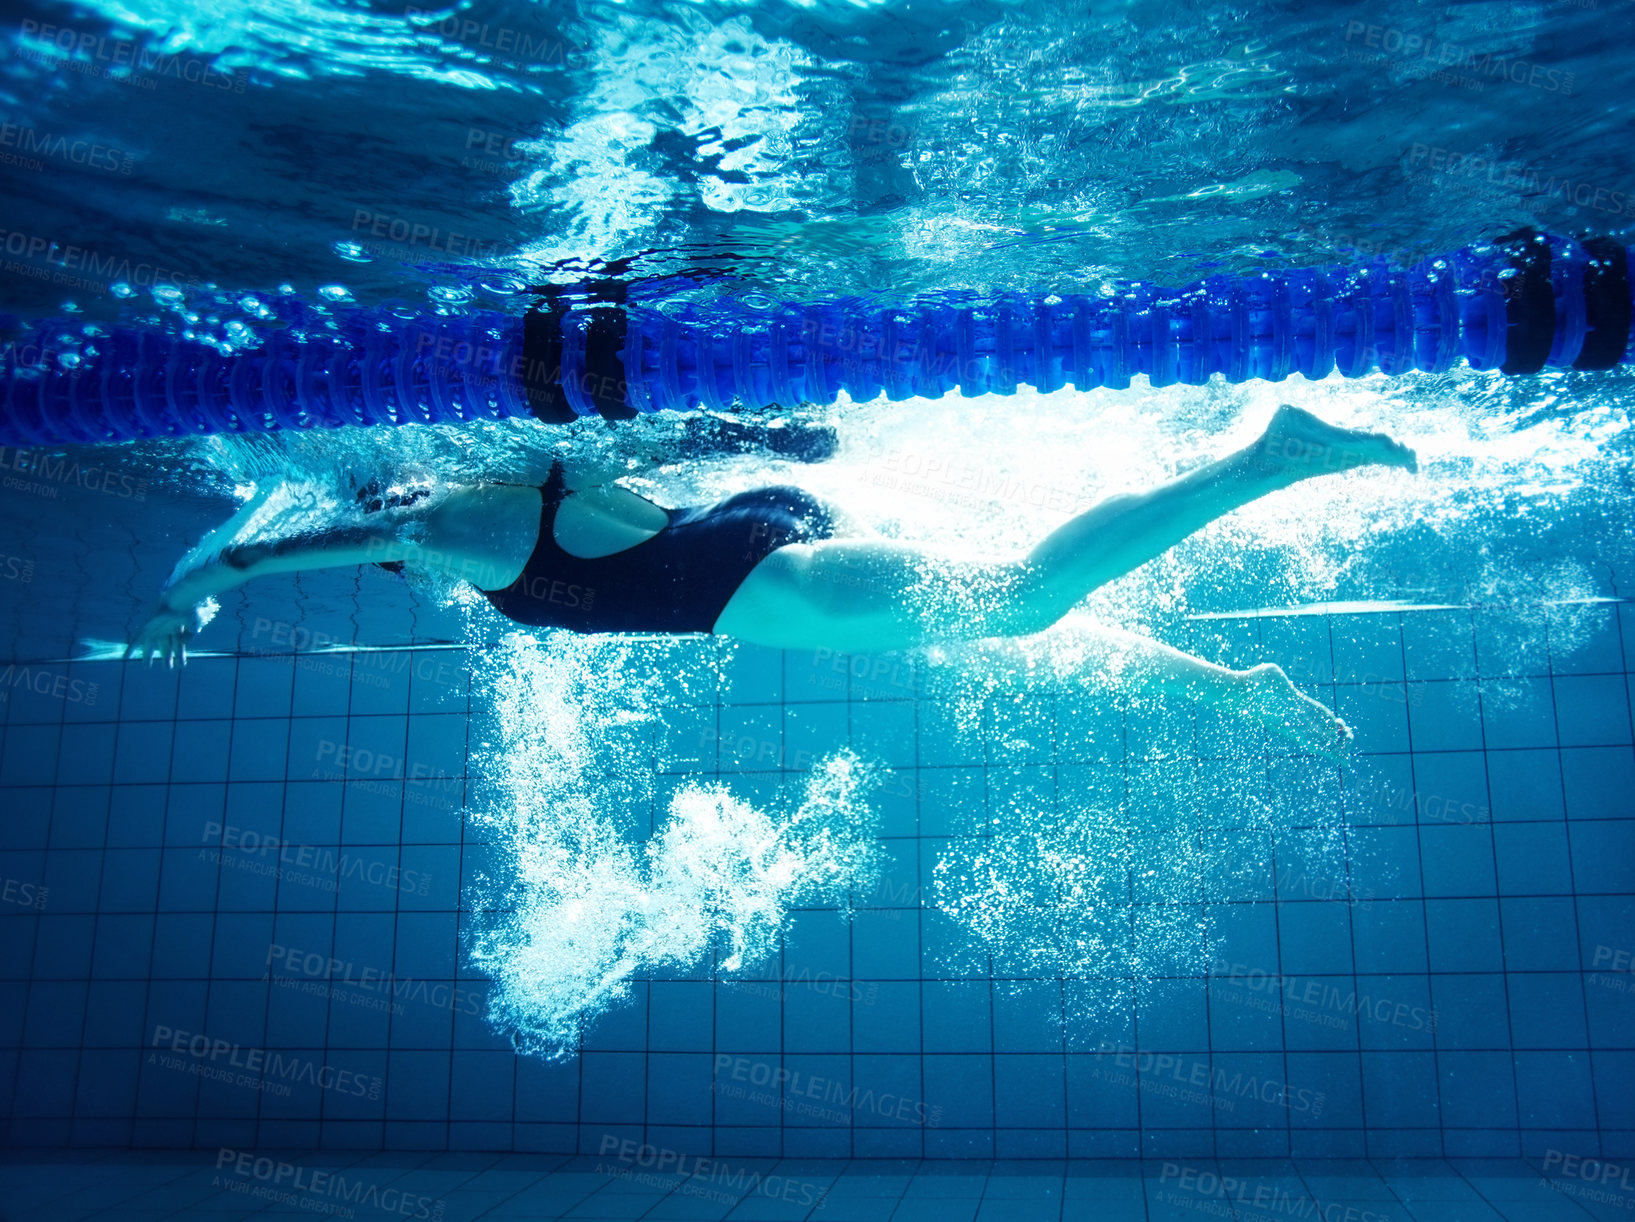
[[482, 534], [876, 594], [1144, 666], [1125, 532]]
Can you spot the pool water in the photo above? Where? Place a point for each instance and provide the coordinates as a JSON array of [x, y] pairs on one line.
[[379, 906]]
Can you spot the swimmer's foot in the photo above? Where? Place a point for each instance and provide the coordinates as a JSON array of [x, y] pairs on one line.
[[1272, 698], [1297, 444]]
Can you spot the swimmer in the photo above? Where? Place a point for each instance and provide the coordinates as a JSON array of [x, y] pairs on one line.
[[775, 566]]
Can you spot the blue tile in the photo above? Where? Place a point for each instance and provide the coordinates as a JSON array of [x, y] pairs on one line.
[[886, 730], [1615, 1102], [886, 1016], [417, 1085], [1597, 782], [1173, 1015], [1315, 937], [263, 688], [1384, 862], [1540, 934], [1457, 861], [1592, 710], [1451, 787], [1395, 1013], [205, 689], [1525, 785], [1463, 935], [1027, 1016], [1518, 713], [1532, 859], [28, 755], [959, 1090], [1553, 1090], [678, 1089], [1377, 714], [85, 754], [136, 815], [747, 1016], [27, 824], [1332, 1082], [1604, 856], [815, 1014], [1029, 1091], [1367, 648], [79, 817], [1547, 1010], [1471, 1011], [1445, 715], [1584, 639], [1400, 1090], [956, 1016], [885, 945], [1389, 936], [1477, 1090]]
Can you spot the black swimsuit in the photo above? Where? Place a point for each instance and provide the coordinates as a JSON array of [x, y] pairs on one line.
[[680, 580]]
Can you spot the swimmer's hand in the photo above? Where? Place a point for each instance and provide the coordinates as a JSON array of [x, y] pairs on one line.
[[167, 632]]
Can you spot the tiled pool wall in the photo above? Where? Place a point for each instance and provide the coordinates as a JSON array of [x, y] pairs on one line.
[[1450, 977]]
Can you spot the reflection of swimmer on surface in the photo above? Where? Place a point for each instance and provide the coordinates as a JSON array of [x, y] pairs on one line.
[[776, 567]]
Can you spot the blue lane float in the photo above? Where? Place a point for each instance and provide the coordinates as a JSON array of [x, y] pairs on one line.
[[1517, 304]]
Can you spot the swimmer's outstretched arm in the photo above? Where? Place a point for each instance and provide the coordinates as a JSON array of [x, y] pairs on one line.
[[482, 534]]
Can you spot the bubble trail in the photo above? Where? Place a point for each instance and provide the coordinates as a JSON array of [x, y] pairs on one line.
[[577, 909]]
